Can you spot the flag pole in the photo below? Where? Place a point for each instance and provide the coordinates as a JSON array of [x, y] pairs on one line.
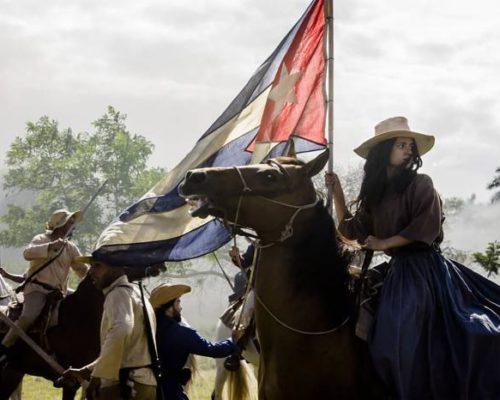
[[329, 93]]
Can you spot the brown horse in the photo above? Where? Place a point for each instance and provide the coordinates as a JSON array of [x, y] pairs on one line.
[[74, 341], [303, 303]]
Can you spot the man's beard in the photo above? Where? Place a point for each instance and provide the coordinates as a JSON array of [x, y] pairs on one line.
[[177, 316]]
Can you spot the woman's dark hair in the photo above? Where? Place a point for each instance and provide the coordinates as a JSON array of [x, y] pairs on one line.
[[375, 181]]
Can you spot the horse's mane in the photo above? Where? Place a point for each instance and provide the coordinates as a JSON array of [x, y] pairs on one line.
[[84, 293], [321, 263]]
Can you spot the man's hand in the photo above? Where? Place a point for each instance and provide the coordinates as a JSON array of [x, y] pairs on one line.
[[76, 375], [92, 392], [237, 334], [56, 245], [234, 253], [376, 244]]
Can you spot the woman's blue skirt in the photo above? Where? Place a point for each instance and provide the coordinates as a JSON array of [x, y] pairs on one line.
[[437, 330]]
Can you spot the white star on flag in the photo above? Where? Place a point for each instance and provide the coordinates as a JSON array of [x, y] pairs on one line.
[[284, 92]]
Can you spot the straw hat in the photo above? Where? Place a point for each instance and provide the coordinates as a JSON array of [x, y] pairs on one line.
[[393, 128], [60, 218], [164, 293]]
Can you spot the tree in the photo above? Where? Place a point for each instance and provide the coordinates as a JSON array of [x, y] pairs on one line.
[[58, 168], [495, 184], [490, 259]]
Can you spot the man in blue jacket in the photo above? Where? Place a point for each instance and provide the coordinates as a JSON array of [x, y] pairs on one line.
[[176, 342]]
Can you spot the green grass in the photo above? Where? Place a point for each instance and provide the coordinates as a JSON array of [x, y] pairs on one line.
[[35, 388]]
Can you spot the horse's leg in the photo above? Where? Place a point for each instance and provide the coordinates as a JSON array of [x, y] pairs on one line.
[[10, 380], [221, 332], [17, 393], [69, 393]]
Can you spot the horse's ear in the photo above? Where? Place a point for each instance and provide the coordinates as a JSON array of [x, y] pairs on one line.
[[314, 166]]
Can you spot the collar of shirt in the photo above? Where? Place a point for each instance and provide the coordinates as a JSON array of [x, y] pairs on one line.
[[122, 280]]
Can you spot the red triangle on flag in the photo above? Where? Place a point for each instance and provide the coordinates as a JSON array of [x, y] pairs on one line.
[[296, 102]]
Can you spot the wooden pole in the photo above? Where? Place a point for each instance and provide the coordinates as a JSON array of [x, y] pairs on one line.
[[329, 93]]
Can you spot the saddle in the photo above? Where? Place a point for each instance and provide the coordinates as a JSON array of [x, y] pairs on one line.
[[48, 317], [230, 318]]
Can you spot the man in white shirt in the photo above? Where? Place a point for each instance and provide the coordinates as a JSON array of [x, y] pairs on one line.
[[53, 276], [124, 342]]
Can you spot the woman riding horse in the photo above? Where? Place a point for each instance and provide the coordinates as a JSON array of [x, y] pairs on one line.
[[437, 330]]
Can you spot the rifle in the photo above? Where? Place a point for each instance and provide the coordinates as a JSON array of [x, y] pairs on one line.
[[358, 286], [155, 360], [21, 287]]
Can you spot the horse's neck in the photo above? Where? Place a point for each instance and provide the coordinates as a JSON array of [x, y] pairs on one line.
[[85, 300], [278, 288]]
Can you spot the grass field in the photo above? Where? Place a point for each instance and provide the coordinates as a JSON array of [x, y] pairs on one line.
[[40, 389]]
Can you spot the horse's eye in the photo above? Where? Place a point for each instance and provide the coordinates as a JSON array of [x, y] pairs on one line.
[[270, 177]]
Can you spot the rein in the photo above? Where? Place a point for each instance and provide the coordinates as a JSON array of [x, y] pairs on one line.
[[285, 234]]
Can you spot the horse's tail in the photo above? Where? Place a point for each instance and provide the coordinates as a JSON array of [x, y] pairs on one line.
[[241, 384], [192, 364]]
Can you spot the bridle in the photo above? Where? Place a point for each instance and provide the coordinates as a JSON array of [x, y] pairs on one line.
[[285, 234], [287, 231]]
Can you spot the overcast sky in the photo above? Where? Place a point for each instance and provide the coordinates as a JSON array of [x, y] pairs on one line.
[[173, 66]]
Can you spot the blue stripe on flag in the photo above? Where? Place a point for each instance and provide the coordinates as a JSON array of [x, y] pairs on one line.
[[194, 244]]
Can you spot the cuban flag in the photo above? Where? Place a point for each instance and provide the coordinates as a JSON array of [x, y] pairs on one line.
[[283, 102]]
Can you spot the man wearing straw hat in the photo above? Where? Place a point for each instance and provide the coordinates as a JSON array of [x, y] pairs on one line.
[[52, 277], [176, 342], [123, 369]]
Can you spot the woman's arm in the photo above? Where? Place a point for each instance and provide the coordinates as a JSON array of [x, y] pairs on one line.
[[332, 182], [377, 244]]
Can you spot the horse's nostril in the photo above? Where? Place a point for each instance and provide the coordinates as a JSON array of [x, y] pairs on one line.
[[196, 177]]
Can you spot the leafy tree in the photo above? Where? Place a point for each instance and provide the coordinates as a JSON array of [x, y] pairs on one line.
[[452, 206], [59, 168], [495, 184], [490, 259]]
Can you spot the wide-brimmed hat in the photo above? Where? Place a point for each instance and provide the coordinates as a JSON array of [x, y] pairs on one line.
[[60, 218], [165, 293], [393, 128]]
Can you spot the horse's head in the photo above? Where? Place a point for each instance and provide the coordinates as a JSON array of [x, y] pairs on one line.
[[254, 195]]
